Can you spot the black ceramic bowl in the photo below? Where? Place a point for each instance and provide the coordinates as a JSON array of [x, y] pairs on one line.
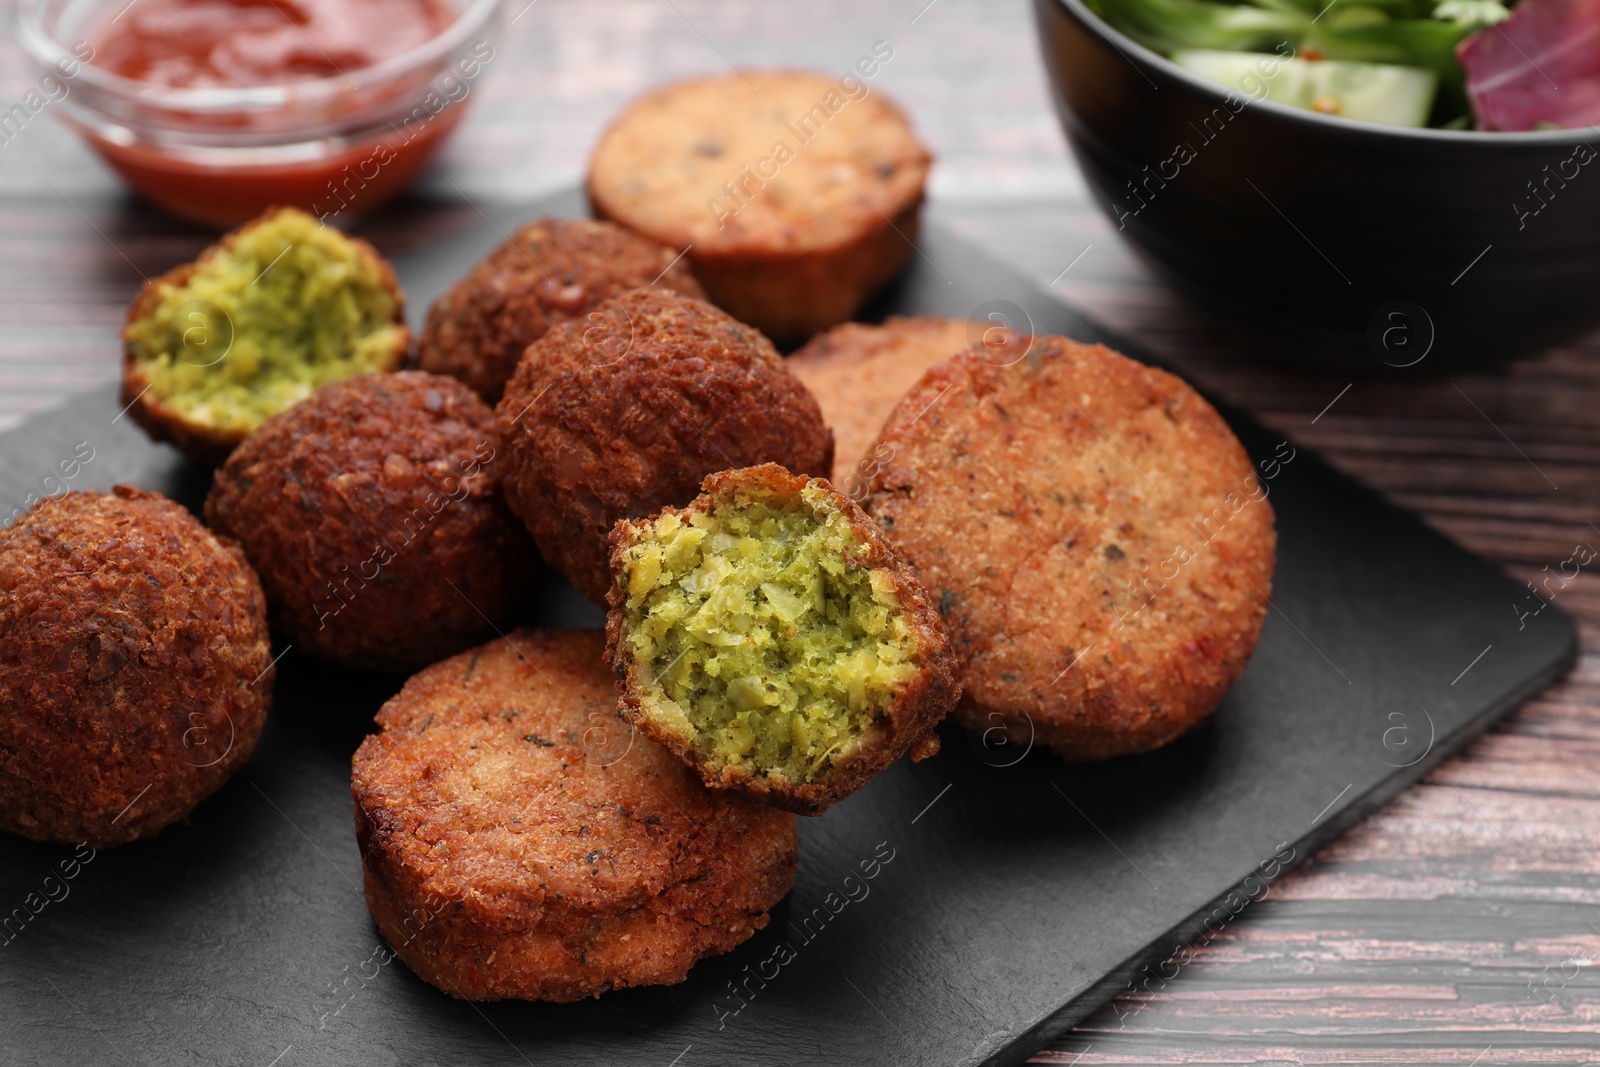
[[1348, 244]]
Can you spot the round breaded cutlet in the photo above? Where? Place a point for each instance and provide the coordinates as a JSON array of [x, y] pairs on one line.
[[858, 373], [768, 635], [518, 840], [261, 320], [550, 270], [135, 667], [373, 514], [1094, 534], [620, 420], [796, 193]]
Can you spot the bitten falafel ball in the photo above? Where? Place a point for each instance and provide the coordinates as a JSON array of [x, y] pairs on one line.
[[277, 309], [551, 270], [619, 419], [372, 513], [135, 667], [518, 840], [769, 636]]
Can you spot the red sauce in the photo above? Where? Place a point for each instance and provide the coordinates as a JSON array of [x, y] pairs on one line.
[[202, 44], [338, 186], [242, 43]]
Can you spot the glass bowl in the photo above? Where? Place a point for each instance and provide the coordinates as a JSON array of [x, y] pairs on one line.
[[334, 146]]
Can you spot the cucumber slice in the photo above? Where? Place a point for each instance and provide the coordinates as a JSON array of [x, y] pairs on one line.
[[1256, 74], [1371, 92]]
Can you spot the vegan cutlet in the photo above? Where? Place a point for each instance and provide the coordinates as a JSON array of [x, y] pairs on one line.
[[518, 840], [1095, 536], [796, 194]]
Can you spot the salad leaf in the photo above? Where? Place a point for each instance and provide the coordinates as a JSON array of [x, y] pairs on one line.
[[1373, 31], [1540, 68], [1409, 33], [1426, 43], [1167, 25], [1399, 9]]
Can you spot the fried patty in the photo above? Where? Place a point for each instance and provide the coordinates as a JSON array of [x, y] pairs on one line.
[[797, 193], [858, 373], [373, 514], [135, 668], [769, 636], [274, 311], [1095, 536], [519, 841], [618, 420], [550, 271]]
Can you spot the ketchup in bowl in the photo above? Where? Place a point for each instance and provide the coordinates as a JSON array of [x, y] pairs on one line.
[[218, 109], [240, 44]]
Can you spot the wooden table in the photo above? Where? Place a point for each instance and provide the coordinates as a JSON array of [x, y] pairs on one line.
[[1458, 926]]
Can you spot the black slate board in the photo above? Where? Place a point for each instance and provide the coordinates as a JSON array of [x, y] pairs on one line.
[[1011, 896]]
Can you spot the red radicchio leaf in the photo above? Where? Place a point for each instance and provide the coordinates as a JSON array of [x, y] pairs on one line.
[[1541, 65]]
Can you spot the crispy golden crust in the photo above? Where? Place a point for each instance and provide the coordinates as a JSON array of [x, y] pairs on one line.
[[210, 445], [372, 513], [135, 668], [550, 271], [858, 373], [518, 840], [792, 240], [1099, 545], [616, 421], [905, 726]]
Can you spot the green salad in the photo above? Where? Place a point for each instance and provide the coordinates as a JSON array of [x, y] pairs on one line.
[[1388, 61]]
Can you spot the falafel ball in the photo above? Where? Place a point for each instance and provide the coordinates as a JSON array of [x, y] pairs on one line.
[[518, 840], [372, 513], [618, 420], [277, 309], [135, 667], [1097, 539], [551, 270], [770, 637]]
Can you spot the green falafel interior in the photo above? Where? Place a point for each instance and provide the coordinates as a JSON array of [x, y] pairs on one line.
[[758, 632], [279, 309]]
